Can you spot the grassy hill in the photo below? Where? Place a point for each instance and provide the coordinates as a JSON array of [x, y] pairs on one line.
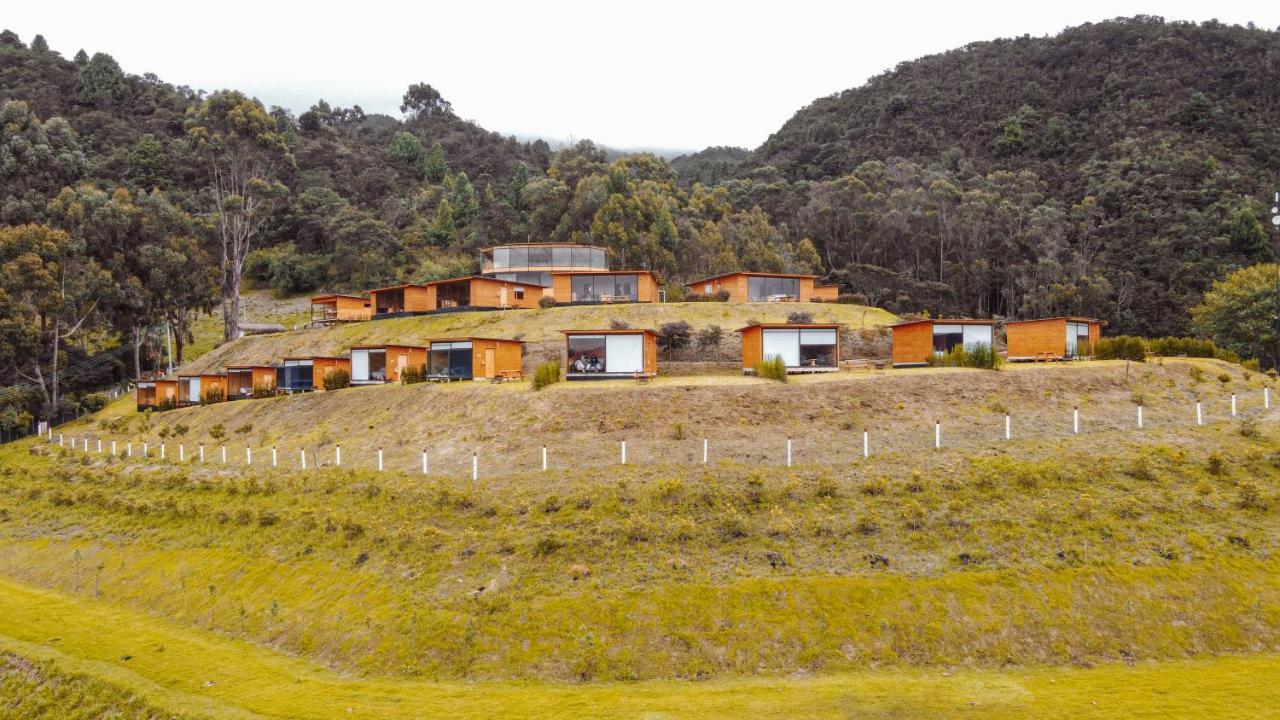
[[540, 327]]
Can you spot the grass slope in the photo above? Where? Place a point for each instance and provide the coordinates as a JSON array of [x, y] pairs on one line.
[[534, 326], [193, 674]]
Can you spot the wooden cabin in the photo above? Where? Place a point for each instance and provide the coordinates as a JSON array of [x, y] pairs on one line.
[[759, 287], [468, 358], [804, 348], [916, 341], [246, 381], [322, 366], [202, 388], [1059, 338], [465, 293], [295, 374], [601, 354], [377, 364], [338, 309], [156, 394], [604, 286], [826, 293]]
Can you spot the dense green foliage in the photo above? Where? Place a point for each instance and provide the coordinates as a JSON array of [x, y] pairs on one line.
[[772, 368], [1115, 169], [981, 356], [548, 373], [1240, 313]]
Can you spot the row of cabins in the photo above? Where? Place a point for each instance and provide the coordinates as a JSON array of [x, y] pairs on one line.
[[615, 353], [520, 276]]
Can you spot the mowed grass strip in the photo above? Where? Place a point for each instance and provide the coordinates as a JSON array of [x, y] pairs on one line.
[[198, 674]]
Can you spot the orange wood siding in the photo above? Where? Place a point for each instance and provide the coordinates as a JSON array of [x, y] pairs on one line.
[[320, 367], [806, 289], [1036, 337], [488, 293], [419, 299], [264, 377], [751, 347], [562, 287], [646, 288], [166, 390], [508, 356], [912, 343], [826, 293], [650, 354], [351, 309], [413, 357], [1095, 334]]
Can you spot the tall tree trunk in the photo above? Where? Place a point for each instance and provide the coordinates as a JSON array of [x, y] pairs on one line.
[[138, 338]]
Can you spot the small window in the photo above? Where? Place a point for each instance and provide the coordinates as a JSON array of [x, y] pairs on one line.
[[519, 293]]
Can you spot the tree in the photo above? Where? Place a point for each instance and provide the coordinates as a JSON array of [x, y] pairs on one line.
[[39, 44], [55, 288], [243, 152], [435, 166], [406, 148], [1239, 313], [100, 81], [36, 160], [148, 166], [421, 101], [81, 58]]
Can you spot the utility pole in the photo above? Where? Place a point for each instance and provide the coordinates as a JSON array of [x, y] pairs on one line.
[[1275, 353]]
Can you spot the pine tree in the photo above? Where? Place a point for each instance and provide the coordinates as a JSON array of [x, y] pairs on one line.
[[436, 167], [148, 167], [39, 44]]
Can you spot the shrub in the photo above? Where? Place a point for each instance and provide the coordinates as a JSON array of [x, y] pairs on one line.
[[1253, 365], [547, 545], [244, 429], [217, 432], [772, 368], [678, 431], [1120, 347], [413, 374], [980, 355], [546, 302], [1224, 378], [1248, 427], [1251, 496], [710, 337], [1216, 464], [851, 299], [93, 402], [674, 335], [179, 430], [616, 324], [213, 395], [548, 373], [875, 486], [263, 391], [827, 488], [800, 317], [337, 379], [721, 296]]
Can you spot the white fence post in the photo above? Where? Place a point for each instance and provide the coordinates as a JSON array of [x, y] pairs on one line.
[[202, 454], [182, 452], [224, 454], [337, 455], [1233, 404], [866, 443], [424, 461], [1075, 420], [113, 448], [128, 449], [475, 466], [705, 448], [248, 455], [544, 458], [59, 439], [145, 449], [73, 442], [1008, 427], [99, 446], [937, 434], [379, 459], [1199, 414], [161, 451], [273, 456], [1139, 417], [624, 452], [1266, 398], [788, 452], [302, 454]]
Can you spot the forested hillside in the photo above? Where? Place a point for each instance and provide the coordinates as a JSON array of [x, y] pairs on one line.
[[1115, 169]]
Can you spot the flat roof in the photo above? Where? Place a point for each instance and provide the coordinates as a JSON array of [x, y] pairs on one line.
[[756, 274], [453, 280], [315, 357], [473, 337], [544, 244], [945, 321], [335, 296], [611, 331], [152, 380], [789, 326], [260, 365], [209, 374], [602, 272], [385, 345], [1067, 318]]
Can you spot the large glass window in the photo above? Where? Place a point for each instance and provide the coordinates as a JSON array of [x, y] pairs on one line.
[[818, 347], [450, 360], [946, 337], [765, 289], [581, 257], [239, 383], [389, 301], [781, 343], [378, 365], [295, 375], [501, 258], [599, 259], [624, 353], [539, 256], [583, 288], [976, 336], [1078, 339], [586, 353], [562, 257], [519, 257], [455, 294]]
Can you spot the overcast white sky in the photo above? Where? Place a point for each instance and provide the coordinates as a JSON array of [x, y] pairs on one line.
[[647, 73]]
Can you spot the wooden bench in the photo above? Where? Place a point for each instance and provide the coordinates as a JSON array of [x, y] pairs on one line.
[[856, 364], [642, 379], [508, 376]]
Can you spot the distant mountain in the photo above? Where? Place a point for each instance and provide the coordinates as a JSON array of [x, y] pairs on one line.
[[709, 166]]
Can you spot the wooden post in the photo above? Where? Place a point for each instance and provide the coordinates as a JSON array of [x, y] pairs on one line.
[[113, 448], [224, 454], [1266, 398], [161, 451], [128, 450], [145, 449], [424, 461], [59, 439], [182, 452], [99, 446]]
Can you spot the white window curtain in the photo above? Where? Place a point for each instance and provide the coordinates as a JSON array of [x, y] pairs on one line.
[[193, 386], [975, 335], [782, 343], [624, 353], [818, 337], [359, 365]]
